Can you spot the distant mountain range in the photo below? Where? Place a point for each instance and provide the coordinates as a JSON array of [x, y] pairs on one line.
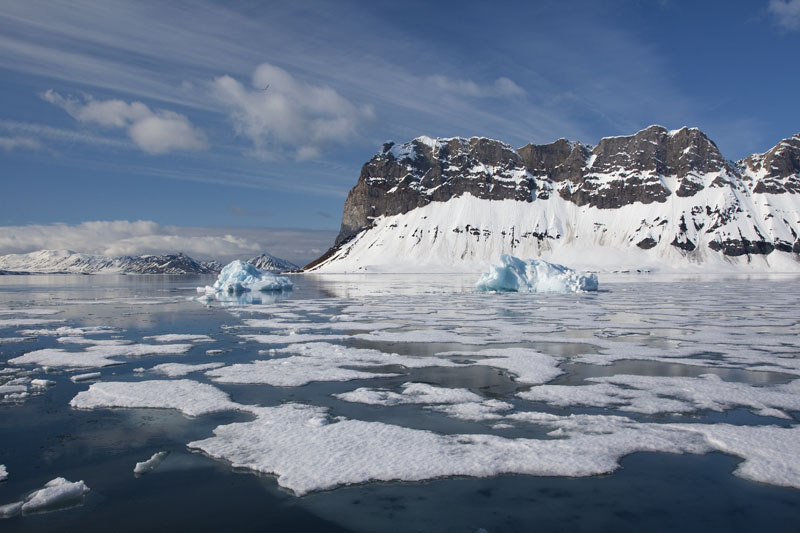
[[657, 199], [69, 262]]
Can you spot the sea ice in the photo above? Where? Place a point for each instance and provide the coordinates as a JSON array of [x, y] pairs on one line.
[[412, 393], [42, 383], [145, 467], [179, 337], [189, 397], [3, 473], [239, 276], [10, 509], [97, 356], [175, 370], [308, 451], [672, 394], [56, 493], [16, 322], [89, 376], [534, 275], [318, 361]]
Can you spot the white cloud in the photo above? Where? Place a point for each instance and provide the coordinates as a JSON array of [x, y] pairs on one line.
[[501, 88], [14, 143], [282, 114], [787, 13], [123, 237], [155, 132]]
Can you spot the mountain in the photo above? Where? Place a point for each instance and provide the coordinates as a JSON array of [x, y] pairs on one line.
[[68, 262], [657, 199], [266, 261]]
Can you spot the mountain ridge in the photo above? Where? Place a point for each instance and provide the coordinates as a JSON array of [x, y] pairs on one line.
[[674, 187]]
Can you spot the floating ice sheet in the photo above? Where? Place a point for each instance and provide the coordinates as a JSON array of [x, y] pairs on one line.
[[534, 275], [174, 370], [179, 337], [189, 397], [318, 361], [668, 394], [145, 467]]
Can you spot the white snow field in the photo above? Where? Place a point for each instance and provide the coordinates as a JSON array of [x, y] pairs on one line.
[[513, 274]]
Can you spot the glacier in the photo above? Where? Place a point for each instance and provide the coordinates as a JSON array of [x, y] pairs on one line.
[[534, 275]]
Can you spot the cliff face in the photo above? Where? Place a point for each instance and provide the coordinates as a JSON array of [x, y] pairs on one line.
[[657, 187]]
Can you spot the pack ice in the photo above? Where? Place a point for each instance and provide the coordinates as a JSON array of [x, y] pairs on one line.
[[534, 275], [238, 277]]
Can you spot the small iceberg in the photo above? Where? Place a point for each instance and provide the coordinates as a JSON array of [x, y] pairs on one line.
[[533, 275], [239, 277]]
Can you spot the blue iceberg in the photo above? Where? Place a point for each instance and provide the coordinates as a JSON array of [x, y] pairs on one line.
[[533, 275], [239, 276]]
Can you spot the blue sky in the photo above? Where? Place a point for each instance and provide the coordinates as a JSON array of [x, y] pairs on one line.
[[128, 111]]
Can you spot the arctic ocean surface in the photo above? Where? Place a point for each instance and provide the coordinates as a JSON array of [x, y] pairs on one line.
[[401, 403]]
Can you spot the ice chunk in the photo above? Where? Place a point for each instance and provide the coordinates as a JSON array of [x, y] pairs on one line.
[[190, 397], [239, 276], [77, 378], [56, 493], [3, 473], [97, 356], [412, 393], [42, 383], [10, 509], [534, 275], [175, 370], [179, 337], [145, 467]]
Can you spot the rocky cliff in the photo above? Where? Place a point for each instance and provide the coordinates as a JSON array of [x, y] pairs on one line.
[[669, 193]]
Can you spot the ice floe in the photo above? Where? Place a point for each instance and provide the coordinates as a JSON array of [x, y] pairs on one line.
[[97, 356], [69, 331], [307, 451], [145, 467], [412, 393], [318, 362], [17, 322], [3, 473], [534, 275], [179, 337], [56, 494], [239, 276], [668, 394], [189, 397], [174, 370], [89, 376]]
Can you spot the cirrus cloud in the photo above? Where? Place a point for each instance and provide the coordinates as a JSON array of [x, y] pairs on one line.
[[155, 132], [280, 114], [786, 12]]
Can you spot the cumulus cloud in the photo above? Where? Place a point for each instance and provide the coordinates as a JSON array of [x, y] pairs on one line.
[[155, 132], [786, 12], [123, 237], [13, 143], [281, 114], [501, 88]]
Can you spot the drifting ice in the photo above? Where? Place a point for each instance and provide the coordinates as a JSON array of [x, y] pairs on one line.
[[533, 275], [238, 277]]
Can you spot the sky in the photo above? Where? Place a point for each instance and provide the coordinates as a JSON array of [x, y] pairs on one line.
[[222, 129]]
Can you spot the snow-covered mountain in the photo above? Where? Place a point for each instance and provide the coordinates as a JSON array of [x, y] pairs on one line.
[[65, 261], [657, 199], [266, 261]]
